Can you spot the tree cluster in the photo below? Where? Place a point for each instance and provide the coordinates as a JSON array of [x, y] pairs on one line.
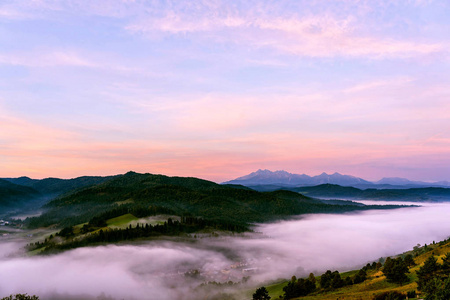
[[301, 287], [361, 276], [261, 294], [332, 280], [409, 261], [66, 232], [433, 278], [170, 228], [328, 281], [395, 270]]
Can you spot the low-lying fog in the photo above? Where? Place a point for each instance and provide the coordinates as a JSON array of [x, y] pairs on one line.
[[156, 269]]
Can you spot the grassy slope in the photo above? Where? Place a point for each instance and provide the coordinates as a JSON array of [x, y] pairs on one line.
[[122, 220], [375, 284], [366, 290]]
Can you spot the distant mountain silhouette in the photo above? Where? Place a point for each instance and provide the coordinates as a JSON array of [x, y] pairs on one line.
[[407, 182], [274, 180], [267, 177], [332, 191]]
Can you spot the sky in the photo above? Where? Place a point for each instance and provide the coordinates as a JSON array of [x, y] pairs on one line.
[[218, 89]]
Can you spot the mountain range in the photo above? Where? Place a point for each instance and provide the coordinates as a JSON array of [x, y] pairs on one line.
[[29, 194], [286, 179], [183, 196]]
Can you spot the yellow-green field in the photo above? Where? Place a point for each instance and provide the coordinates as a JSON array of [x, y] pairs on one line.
[[375, 284], [276, 290], [122, 220]]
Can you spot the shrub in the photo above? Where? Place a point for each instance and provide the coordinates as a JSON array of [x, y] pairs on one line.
[[411, 294], [20, 297], [390, 296]]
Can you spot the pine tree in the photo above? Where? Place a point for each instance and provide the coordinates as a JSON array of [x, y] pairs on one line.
[[395, 270], [427, 272], [261, 294], [446, 265]]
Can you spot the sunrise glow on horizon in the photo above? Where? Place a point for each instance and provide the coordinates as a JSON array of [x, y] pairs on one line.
[[218, 89]]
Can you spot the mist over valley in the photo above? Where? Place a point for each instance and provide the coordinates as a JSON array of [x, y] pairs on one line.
[[163, 269]]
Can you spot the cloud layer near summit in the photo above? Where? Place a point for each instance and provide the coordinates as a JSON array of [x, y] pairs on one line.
[[216, 89]]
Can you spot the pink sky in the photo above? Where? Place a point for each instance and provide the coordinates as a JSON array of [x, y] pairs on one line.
[[217, 90]]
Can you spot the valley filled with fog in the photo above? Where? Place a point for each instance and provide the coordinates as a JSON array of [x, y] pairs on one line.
[[174, 268]]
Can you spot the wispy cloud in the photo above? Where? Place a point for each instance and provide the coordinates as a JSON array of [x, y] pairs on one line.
[[319, 32], [373, 85], [320, 35], [7, 13]]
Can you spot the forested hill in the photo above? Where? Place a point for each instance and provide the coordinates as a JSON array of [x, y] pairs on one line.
[[13, 195], [23, 194], [183, 197], [57, 186], [412, 194]]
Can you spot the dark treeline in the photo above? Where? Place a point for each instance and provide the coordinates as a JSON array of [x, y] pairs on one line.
[[301, 287], [396, 269], [77, 214], [21, 297], [333, 280], [328, 281], [169, 228]]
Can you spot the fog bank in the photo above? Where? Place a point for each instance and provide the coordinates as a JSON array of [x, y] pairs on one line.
[[156, 269]]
